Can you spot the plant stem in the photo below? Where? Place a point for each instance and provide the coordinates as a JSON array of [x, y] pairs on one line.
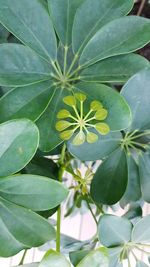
[[61, 171], [23, 257], [143, 2], [65, 59], [93, 215], [72, 64]]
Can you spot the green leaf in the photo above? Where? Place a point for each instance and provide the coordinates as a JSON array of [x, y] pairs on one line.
[[119, 114], [22, 227], [3, 33], [114, 231], [141, 231], [32, 191], [54, 259], [19, 141], [114, 257], [20, 66], [29, 265], [115, 69], [135, 211], [133, 190], [92, 15], [100, 149], [96, 258], [25, 20], [121, 36], [110, 180], [144, 169], [62, 13], [49, 136], [29, 102], [139, 99], [77, 256], [141, 264]]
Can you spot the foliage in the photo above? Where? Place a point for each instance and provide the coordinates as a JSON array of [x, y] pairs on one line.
[[62, 65]]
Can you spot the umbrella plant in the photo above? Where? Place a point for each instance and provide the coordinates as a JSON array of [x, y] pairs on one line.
[[61, 64]]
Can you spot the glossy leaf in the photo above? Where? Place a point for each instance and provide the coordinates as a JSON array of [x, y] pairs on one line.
[[23, 227], [133, 190], [26, 190], [20, 66], [29, 102], [96, 258], [110, 180], [114, 231], [116, 69], [54, 259], [100, 149], [62, 13], [139, 99], [27, 25], [91, 16], [77, 256], [121, 36], [114, 256], [144, 169], [119, 115], [141, 231], [19, 141], [49, 135]]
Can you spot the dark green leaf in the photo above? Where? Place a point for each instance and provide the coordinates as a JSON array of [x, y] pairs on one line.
[[100, 149], [119, 114], [77, 256], [23, 226], [139, 99], [52, 259], [144, 168], [92, 15], [62, 13], [115, 69], [30, 22], [121, 36], [110, 180], [133, 190], [95, 258], [20, 66], [19, 141], [32, 191], [134, 212], [114, 231], [29, 102], [141, 231]]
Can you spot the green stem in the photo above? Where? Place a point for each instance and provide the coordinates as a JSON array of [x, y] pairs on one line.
[[59, 68], [93, 215], [23, 257], [65, 59], [60, 176], [72, 64], [140, 135], [55, 68]]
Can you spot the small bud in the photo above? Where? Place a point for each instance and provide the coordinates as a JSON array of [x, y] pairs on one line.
[[102, 128], [66, 135], [62, 125], [81, 97], [101, 114], [69, 100], [96, 105], [79, 139], [91, 137], [62, 114]]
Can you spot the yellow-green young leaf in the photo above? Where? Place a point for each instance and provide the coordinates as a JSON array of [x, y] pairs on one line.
[[97, 258], [96, 105], [54, 259], [81, 97], [79, 139], [102, 128], [63, 114], [69, 100], [91, 137], [66, 135], [62, 125], [101, 114]]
